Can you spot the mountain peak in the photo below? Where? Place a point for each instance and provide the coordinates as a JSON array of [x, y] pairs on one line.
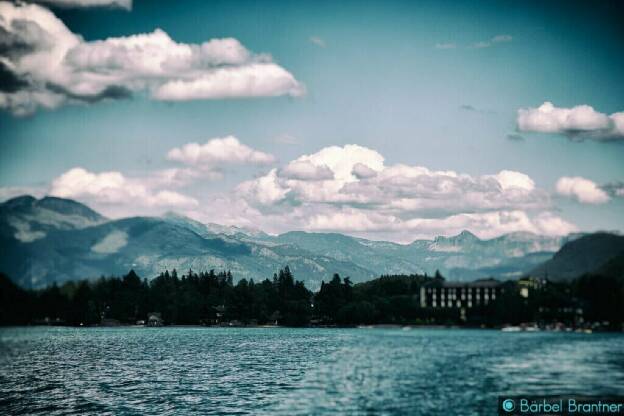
[[462, 237], [465, 234], [20, 201], [59, 205], [68, 207]]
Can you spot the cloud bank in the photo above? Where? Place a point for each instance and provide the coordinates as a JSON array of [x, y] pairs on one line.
[[116, 194], [346, 189], [577, 123], [44, 65], [364, 196], [114, 189]]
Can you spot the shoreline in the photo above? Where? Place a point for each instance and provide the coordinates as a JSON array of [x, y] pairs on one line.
[[407, 327]]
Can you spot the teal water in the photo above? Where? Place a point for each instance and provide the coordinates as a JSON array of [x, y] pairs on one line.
[[260, 371]]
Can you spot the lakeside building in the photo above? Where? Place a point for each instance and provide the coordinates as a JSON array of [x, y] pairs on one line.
[[217, 317], [154, 319], [440, 294]]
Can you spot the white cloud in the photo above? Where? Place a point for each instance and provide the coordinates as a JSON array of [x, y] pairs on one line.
[[579, 122], [48, 65], [360, 177], [484, 225], [317, 41], [341, 160], [218, 151], [114, 192], [349, 220], [254, 80], [206, 161], [509, 180], [399, 202], [264, 190], [345, 189], [581, 189], [122, 4]]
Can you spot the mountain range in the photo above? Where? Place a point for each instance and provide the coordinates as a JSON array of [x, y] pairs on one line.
[[54, 240]]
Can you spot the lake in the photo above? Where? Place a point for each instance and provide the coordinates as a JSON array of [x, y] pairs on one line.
[[295, 371]]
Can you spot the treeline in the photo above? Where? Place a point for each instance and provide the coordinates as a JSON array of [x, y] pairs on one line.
[[211, 298], [193, 298]]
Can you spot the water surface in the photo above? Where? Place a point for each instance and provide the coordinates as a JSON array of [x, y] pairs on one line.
[[202, 371]]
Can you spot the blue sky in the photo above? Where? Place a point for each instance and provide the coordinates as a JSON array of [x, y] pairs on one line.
[[436, 85]]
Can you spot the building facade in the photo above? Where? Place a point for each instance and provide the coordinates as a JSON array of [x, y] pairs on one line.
[[459, 295]]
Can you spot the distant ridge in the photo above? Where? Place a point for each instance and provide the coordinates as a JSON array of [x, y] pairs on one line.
[[54, 239], [583, 255]]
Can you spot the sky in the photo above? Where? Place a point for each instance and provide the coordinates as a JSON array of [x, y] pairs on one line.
[[386, 120]]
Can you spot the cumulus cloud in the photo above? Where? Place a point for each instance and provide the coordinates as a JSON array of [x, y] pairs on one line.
[[369, 198], [44, 64], [254, 80], [339, 160], [110, 190], [116, 194], [579, 122], [361, 178], [218, 151], [339, 188], [511, 180], [122, 4], [264, 190], [345, 189], [581, 189]]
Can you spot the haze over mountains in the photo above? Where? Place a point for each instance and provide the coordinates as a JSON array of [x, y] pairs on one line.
[[53, 240]]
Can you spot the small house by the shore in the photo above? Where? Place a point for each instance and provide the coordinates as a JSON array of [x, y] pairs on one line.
[[154, 319]]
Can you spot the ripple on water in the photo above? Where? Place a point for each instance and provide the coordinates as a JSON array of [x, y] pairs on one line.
[[295, 371]]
